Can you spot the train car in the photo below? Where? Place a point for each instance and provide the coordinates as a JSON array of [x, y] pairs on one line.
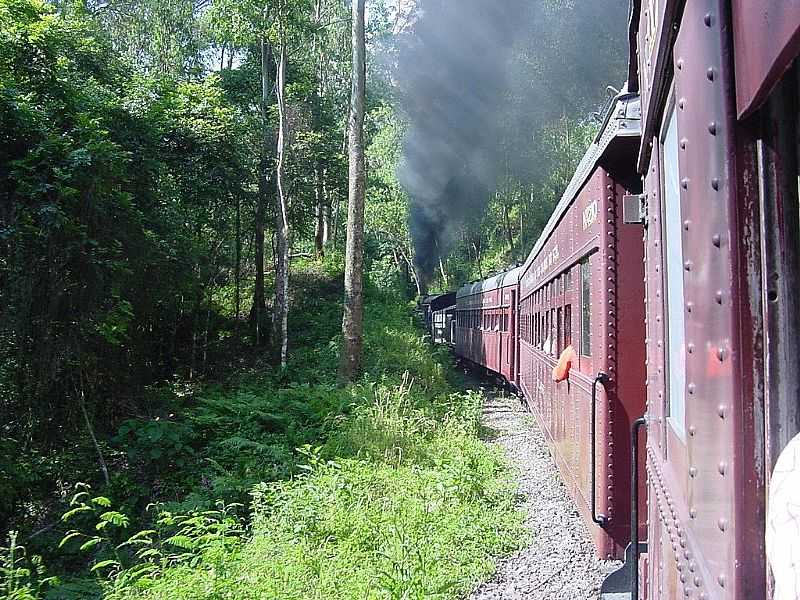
[[443, 325], [432, 305], [486, 323], [719, 84], [581, 291]]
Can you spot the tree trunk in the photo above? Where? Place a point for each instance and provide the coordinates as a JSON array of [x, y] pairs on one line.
[[352, 320], [319, 192], [238, 274], [509, 232], [259, 310], [280, 315], [326, 210]]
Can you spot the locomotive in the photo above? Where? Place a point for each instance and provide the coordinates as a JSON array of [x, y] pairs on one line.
[[652, 330]]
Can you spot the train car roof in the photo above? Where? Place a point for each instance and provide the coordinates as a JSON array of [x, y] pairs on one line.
[[441, 301], [622, 122], [500, 280]]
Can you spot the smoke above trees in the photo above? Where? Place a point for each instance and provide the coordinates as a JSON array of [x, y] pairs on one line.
[[479, 80]]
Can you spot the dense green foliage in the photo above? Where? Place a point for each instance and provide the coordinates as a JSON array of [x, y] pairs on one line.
[[386, 481], [137, 176]]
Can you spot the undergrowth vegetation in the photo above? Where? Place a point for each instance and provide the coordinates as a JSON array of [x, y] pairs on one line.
[[278, 484]]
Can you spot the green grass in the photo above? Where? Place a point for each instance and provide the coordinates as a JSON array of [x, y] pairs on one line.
[[382, 489]]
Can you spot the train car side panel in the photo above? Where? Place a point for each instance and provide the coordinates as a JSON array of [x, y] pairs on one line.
[[766, 40]]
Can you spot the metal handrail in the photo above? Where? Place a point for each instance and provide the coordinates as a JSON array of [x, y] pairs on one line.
[[601, 520], [635, 428]]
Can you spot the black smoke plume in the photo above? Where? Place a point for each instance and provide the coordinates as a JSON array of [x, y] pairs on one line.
[[479, 79], [453, 74]]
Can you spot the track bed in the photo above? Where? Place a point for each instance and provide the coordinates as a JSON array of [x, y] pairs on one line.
[[559, 562]]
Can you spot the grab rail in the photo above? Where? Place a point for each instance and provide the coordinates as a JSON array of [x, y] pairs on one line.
[[635, 428], [601, 520]]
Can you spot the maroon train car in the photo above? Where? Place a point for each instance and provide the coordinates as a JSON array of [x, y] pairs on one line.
[[486, 323], [719, 82], [582, 285]]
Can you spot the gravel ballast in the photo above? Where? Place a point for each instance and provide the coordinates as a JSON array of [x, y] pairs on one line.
[[559, 562]]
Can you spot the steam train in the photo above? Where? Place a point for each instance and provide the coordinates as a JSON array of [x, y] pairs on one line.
[[652, 330]]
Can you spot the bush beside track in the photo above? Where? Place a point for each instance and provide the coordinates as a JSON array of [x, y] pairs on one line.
[[383, 489]]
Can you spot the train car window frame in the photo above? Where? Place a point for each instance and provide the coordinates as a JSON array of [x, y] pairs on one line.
[[673, 273], [586, 307]]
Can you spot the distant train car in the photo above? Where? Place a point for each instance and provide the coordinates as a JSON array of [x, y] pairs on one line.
[[486, 323], [581, 293], [719, 82], [433, 309], [443, 326]]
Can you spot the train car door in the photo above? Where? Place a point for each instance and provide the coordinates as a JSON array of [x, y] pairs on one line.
[[507, 328]]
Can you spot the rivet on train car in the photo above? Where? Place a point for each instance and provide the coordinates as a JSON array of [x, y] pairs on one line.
[[681, 103], [717, 240], [693, 472], [710, 73], [691, 388], [722, 467], [686, 225], [721, 411], [680, 64], [687, 593], [692, 567], [685, 183], [722, 524], [683, 143], [721, 354], [689, 306], [715, 184], [692, 513], [707, 19], [687, 265], [690, 348], [712, 128], [697, 582], [692, 430], [719, 296], [683, 542], [721, 580], [702, 596], [683, 578]]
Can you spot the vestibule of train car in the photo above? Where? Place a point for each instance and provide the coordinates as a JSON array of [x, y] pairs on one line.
[[770, 210]]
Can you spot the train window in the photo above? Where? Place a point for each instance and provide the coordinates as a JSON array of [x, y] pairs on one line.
[[586, 308], [568, 279], [673, 240], [567, 325], [559, 331]]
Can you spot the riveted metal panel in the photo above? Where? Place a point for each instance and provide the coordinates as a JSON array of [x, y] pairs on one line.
[[655, 34], [592, 229], [766, 41], [693, 482]]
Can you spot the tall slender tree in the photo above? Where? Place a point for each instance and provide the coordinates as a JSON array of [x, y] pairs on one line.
[[280, 315], [353, 318]]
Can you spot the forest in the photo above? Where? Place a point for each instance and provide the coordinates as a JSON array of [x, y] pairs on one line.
[[175, 182]]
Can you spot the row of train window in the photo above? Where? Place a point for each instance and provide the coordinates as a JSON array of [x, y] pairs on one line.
[[546, 316], [493, 319]]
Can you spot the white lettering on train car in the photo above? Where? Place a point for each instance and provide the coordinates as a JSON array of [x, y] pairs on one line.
[[590, 214], [548, 260]]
